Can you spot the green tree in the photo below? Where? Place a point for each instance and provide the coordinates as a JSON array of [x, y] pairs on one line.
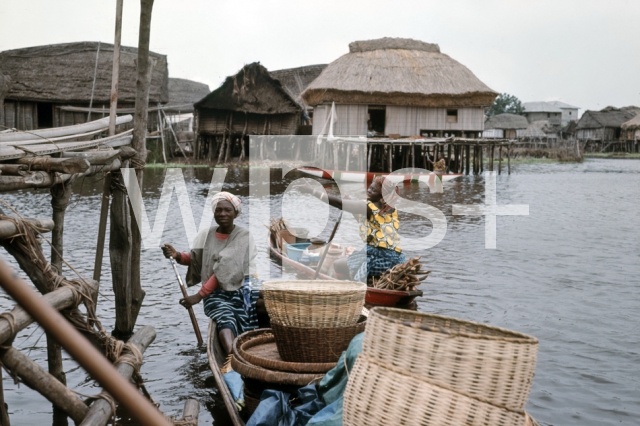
[[506, 103]]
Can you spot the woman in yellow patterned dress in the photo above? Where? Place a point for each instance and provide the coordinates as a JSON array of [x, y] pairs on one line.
[[378, 229]]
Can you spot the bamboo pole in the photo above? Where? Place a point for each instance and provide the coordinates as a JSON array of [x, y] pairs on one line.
[[44, 383], [230, 139], [115, 69], [101, 411], [80, 349], [60, 299], [173, 132], [224, 138], [191, 411]]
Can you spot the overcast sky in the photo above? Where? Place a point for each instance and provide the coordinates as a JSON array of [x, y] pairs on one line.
[[585, 53]]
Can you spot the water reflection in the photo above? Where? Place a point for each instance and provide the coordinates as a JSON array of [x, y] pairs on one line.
[[567, 274]]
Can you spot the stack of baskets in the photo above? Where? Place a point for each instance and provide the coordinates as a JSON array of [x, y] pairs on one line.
[[314, 321], [418, 368]]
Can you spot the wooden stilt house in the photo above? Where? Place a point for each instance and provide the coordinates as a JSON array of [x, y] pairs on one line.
[[508, 126], [251, 102], [52, 86], [604, 125], [402, 87]]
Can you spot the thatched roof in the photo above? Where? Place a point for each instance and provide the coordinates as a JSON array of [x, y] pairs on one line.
[[608, 117], [185, 92], [506, 121], [64, 73], [632, 124], [295, 80], [251, 90], [396, 71], [536, 130], [5, 83]]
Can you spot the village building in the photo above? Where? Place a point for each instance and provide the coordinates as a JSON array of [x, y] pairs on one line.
[[539, 111], [296, 80], [630, 130], [569, 112], [507, 126], [252, 102], [53, 85], [604, 125], [401, 87]]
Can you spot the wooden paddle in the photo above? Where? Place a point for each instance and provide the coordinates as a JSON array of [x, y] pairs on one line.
[[194, 321]]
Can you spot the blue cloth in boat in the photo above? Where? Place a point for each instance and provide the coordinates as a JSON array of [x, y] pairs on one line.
[[235, 384], [235, 310], [372, 262], [321, 405], [274, 408], [331, 388]]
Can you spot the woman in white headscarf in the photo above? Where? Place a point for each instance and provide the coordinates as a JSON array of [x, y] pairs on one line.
[[223, 259]]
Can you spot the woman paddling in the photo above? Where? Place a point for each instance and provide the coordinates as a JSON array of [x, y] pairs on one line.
[[378, 229], [223, 259]]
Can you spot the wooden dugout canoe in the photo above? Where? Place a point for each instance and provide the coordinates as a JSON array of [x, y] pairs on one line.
[[217, 357]]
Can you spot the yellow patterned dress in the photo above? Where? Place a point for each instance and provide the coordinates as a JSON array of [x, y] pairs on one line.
[[382, 250]]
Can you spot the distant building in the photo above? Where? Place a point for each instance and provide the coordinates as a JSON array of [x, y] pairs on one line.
[[296, 80], [184, 93], [251, 102], [604, 125], [539, 111], [508, 126], [40, 81], [399, 86], [569, 112], [630, 130]]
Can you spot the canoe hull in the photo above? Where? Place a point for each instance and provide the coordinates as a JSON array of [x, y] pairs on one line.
[[348, 176]]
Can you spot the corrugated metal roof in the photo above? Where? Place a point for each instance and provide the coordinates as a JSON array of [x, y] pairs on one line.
[[562, 105], [540, 107]]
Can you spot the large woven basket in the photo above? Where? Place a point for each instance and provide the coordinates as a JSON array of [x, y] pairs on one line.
[[377, 396], [477, 360], [314, 345], [314, 303]]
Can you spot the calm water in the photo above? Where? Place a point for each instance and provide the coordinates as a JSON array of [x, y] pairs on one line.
[[567, 274]]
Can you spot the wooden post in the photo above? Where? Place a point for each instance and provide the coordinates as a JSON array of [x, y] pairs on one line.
[[48, 386], [115, 69], [4, 415], [224, 138], [230, 139], [509, 158], [175, 137], [60, 195], [133, 291], [101, 411], [80, 349], [120, 255], [160, 128], [244, 132], [191, 411], [390, 157], [500, 158]]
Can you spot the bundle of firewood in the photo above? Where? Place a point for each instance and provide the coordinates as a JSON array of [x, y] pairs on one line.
[[403, 277]]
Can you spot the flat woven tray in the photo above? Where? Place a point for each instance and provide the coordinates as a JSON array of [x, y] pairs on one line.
[[251, 371], [314, 303], [477, 360], [258, 347]]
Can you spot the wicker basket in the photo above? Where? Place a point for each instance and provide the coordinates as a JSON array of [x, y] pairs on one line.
[[251, 371], [258, 347], [314, 303], [376, 396], [480, 361], [314, 345]]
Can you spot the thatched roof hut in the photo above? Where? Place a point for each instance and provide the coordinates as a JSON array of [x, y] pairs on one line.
[[184, 93], [296, 80], [63, 73], [633, 124], [506, 122], [397, 71], [604, 124], [252, 102], [252, 90]]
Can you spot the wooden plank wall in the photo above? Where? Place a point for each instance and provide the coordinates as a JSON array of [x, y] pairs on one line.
[[212, 122], [351, 120], [20, 115], [408, 121]]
